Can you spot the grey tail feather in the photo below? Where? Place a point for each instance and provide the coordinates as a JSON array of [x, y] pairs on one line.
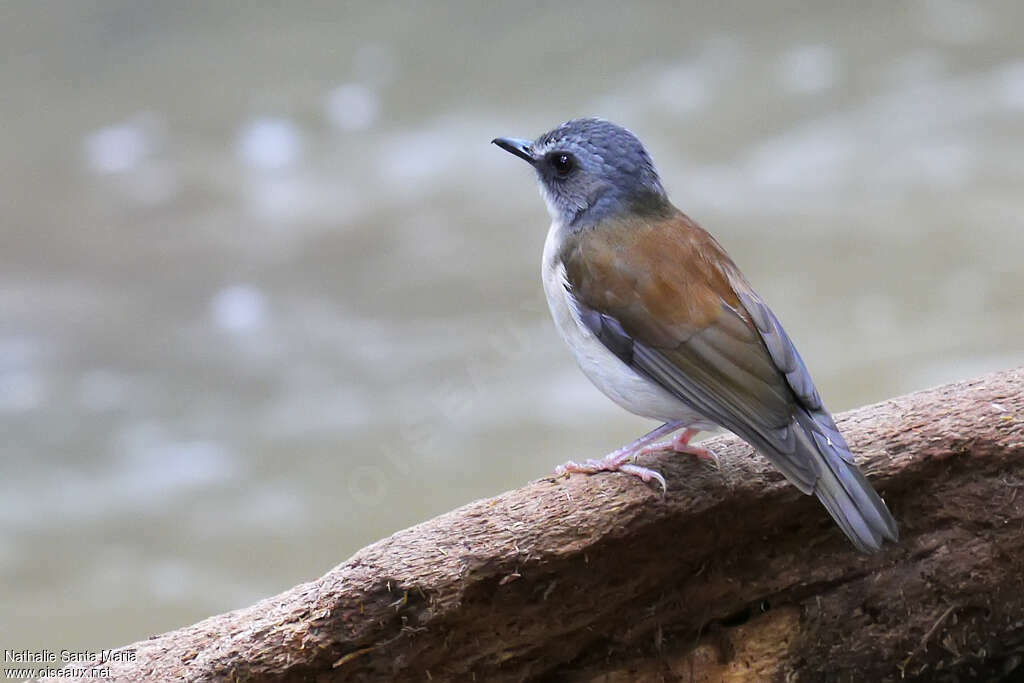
[[843, 489]]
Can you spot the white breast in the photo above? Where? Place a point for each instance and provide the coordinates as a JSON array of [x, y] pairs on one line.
[[618, 381]]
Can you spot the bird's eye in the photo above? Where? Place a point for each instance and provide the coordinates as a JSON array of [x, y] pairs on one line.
[[562, 163]]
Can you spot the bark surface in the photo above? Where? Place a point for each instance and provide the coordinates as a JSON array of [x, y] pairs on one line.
[[733, 575]]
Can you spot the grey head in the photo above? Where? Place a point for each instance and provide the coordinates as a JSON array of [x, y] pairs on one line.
[[589, 170]]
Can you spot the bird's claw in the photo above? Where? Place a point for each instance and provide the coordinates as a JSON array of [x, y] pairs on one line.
[[645, 474], [625, 458], [617, 464]]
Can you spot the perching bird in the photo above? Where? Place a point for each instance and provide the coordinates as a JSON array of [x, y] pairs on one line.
[[664, 323]]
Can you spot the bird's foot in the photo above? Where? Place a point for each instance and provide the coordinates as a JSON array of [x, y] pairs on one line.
[[624, 459], [680, 444], [617, 461]]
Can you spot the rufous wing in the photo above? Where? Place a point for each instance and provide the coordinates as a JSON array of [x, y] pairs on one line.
[[665, 297]]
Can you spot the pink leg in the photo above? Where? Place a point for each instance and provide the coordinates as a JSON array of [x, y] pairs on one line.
[[681, 444], [616, 461]]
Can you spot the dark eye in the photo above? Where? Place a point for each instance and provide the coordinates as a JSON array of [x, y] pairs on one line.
[[562, 163]]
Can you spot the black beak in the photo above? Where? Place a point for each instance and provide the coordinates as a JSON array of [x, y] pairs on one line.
[[517, 146]]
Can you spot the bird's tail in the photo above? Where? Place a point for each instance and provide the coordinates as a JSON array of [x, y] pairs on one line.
[[841, 487]]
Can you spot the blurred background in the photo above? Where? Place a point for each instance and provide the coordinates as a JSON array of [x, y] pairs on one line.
[[267, 294]]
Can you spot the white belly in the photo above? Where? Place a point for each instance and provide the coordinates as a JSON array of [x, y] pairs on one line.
[[615, 379]]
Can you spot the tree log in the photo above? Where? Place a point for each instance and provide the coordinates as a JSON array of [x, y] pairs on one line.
[[732, 575]]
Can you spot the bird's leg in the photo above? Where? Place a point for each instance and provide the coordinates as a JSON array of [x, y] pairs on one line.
[[680, 444], [617, 460]]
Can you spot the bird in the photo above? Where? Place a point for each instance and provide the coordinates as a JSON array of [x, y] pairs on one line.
[[663, 322]]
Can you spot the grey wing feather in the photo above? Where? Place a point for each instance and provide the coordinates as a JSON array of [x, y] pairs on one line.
[[841, 486]]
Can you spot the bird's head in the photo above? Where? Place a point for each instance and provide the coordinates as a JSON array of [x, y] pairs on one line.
[[589, 170]]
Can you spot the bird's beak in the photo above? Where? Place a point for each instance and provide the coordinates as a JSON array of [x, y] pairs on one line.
[[521, 148]]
